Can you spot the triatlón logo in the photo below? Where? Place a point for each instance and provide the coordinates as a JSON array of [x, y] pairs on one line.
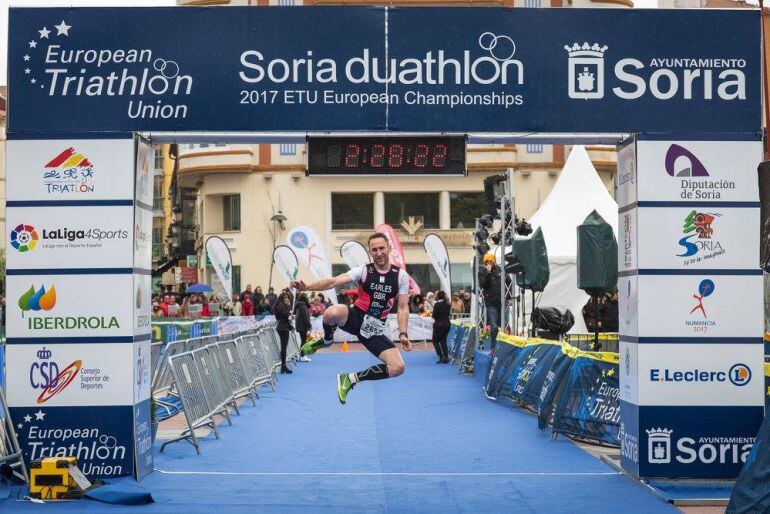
[[586, 70], [24, 238], [40, 300], [680, 162], [705, 288], [69, 172]]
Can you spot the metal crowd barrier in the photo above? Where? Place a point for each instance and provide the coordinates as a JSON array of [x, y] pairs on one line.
[[210, 374]]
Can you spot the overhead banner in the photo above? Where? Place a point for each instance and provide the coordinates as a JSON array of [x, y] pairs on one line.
[[354, 254], [285, 260], [222, 261], [439, 257], [401, 69], [312, 253]]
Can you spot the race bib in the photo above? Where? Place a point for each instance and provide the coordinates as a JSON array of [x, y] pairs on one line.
[[372, 327]]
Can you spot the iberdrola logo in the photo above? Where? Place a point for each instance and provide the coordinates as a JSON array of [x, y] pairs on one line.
[[40, 300], [139, 298]]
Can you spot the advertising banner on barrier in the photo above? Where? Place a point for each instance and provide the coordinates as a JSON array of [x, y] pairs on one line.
[[70, 169], [588, 403], [53, 306], [504, 354], [530, 372], [63, 237], [222, 262], [312, 253], [87, 374], [473, 69]]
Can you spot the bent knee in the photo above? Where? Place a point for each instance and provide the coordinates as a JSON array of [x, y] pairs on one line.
[[395, 370]]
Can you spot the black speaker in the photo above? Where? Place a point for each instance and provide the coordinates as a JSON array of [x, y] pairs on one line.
[[764, 201], [493, 189]]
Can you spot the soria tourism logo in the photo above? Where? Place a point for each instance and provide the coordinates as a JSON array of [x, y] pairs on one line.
[[68, 173]]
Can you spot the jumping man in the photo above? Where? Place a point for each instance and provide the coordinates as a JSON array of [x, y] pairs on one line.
[[379, 285]]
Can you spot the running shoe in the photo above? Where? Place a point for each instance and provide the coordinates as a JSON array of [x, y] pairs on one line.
[[311, 347], [344, 386]]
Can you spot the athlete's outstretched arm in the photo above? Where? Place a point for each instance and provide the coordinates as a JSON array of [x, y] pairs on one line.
[[403, 321], [321, 285]]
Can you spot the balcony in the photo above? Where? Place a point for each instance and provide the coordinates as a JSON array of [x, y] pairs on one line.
[[195, 161]]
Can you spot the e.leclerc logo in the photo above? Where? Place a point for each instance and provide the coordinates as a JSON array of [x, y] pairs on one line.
[[41, 300], [69, 173], [738, 374]]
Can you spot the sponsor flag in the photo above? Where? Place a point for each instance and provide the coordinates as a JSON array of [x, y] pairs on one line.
[[220, 258], [310, 250], [354, 254], [397, 253], [286, 261], [439, 257]]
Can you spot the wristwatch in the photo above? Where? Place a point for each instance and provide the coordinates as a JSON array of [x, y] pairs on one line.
[[403, 334]]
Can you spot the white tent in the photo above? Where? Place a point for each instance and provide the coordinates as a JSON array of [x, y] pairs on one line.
[[577, 192]]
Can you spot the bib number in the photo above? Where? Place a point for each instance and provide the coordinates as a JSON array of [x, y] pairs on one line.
[[372, 327]]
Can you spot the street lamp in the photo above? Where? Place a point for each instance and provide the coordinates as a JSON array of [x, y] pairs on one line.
[[280, 219]]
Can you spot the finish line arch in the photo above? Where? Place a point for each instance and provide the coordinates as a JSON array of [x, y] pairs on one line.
[[83, 81]]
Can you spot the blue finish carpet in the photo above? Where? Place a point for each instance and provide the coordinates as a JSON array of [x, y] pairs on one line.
[[425, 442]]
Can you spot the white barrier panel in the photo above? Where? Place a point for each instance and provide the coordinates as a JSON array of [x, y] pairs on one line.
[[691, 315]]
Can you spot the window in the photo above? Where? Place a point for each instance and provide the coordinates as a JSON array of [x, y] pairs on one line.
[[288, 149], [531, 3], [422, 206], [462, 276], [352, 211], [425, 276], [285, 3], [158, 158], [157, 188], [157, 243], [236, 279], [464, 208], [535, 148], [231, 208]]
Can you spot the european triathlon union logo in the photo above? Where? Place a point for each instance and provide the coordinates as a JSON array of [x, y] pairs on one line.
[[680, 162], [586, 70], [659, 445]]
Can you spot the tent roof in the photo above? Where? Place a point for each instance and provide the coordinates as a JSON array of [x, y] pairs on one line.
[[577, 192]]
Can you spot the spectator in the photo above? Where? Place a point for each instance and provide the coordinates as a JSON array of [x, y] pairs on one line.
[[441, 327], [156, 312], [185, 307], [467, 300], [247, 307], [214, 306], [282, 314], [430, 301], [590, 315], [248, 292], [233, 307], [325, 301], [489, 282], [611, 313], [416, 304], [169, 307], [302, 320], [262, 309], [316, 307], [258, 296], [458, 306], [272, 298]]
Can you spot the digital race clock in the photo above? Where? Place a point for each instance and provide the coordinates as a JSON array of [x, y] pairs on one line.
[[350, 156]]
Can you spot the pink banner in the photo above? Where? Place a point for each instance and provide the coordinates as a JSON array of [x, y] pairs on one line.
[[397, 253]]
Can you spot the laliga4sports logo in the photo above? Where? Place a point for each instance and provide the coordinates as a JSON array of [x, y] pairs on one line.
[[24, 238], [662, 78], [44, 374]]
